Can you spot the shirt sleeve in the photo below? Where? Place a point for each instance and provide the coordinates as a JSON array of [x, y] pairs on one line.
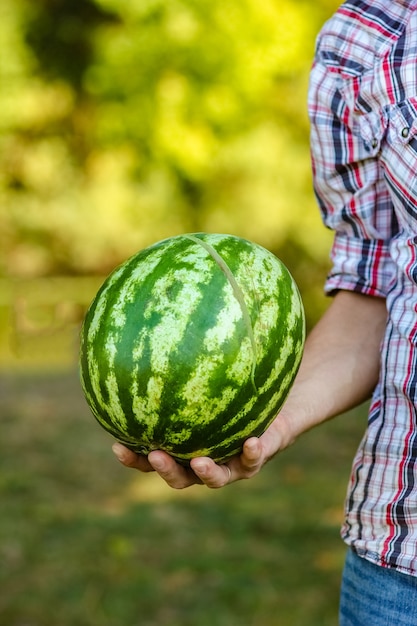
[[354, 201]]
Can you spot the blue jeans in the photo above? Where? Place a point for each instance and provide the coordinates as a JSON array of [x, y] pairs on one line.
[[376, 596]]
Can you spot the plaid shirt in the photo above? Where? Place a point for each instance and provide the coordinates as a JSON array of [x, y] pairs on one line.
[[363, 111]]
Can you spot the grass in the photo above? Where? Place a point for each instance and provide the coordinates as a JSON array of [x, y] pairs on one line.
[[86, 542]]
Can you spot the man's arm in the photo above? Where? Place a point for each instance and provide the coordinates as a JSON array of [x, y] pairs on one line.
[[338, 371]]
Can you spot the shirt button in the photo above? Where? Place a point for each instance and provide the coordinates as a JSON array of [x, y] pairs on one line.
[[374, 142], [405, 132]]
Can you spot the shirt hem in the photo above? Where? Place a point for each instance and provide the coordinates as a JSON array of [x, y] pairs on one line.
[[377, 559]]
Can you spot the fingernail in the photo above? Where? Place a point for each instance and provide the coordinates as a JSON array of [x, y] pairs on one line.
[[118, 451]]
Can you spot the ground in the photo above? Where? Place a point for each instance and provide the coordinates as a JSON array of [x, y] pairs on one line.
[[85, 541]]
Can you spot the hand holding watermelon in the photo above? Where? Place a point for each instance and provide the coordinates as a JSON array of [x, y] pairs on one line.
[[338, 371], [203, 470]]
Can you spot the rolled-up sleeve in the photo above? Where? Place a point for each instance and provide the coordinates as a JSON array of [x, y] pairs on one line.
[[346, 139]]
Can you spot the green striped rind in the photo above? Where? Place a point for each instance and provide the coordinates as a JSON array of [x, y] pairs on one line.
[[192, 345]]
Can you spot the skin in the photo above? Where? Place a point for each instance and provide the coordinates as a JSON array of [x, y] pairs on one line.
[[339, 370]]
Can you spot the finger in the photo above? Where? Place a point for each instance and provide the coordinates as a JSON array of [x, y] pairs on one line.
[[174, 474], [252, 457], [128, 458], [212, 475]]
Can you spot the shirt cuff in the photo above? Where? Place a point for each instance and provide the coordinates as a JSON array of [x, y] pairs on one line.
[[360, 265]]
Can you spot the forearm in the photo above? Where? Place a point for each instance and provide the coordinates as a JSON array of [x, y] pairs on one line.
[[340, 365]]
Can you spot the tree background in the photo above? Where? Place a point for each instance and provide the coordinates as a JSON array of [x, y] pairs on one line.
[[126, 121]]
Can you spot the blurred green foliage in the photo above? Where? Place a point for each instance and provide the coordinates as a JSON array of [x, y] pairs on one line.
[[126, 121]]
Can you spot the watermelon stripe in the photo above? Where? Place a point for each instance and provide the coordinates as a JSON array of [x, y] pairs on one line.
[[238, 293], [189, 376], [113, 310], [149, 347], [98, 379]]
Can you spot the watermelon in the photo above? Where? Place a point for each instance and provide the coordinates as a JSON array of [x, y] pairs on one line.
[[191, 346]]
